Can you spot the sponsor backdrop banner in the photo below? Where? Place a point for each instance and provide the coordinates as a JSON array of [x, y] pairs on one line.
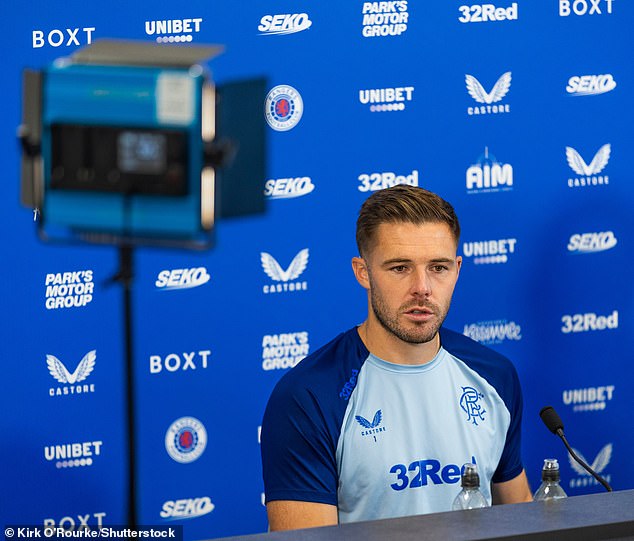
[[519, 113]]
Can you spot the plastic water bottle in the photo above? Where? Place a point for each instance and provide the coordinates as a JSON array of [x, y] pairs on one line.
[[550, 489], [470, 496]]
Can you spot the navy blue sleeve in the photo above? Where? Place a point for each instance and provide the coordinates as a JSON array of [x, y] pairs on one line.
[[302, 423], [510, 465], [298, 454]]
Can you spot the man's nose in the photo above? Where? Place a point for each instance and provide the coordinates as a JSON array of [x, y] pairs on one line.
[[421, 283]]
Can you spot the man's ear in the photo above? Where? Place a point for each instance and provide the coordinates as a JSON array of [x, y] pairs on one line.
[[360, 269]]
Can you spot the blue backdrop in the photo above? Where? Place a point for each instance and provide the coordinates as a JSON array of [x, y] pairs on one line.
[[519, 113]]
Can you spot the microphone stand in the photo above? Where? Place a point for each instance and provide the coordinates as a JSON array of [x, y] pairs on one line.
[[607, 487]]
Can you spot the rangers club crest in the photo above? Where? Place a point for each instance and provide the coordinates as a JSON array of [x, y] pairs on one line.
[[283, 108], [470, 404], [186, 439]]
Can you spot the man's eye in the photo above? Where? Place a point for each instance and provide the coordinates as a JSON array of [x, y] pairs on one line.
[[440, 268], [399, 268]]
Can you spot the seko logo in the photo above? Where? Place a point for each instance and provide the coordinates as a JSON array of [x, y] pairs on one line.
[[588, 243], [284, 24], [590, 85], [288, 188], [187, 508], [182, 278]]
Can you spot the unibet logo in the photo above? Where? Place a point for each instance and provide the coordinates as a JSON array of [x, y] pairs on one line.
[[487, 13], [489, 251], [386, 99], [71, 455], [284, 24], [488, 175], [182, 278], [280, 351], [378, 181], [166, 29], [67, 37], [173, 362], [382, 19], [589, 322], [83, 522], [286, 188], [584, 7], [499, 90], [589, 174], [588, 243], [589, 85], [187, 508], [588, 399]]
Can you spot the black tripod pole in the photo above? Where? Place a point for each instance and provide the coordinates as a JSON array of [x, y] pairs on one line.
[[125, 276]]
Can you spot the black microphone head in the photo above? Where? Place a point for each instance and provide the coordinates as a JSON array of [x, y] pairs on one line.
[[551, 419]]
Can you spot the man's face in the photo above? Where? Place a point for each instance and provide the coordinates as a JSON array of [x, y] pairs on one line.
[[411, 274]]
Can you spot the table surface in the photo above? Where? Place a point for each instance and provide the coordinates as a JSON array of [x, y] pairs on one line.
[[588, 517]]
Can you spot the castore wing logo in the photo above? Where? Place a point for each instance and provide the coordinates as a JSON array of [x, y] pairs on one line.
[[598, 163], [371, 428], [599, 464], [367, 424], [500, 89], [275, 272], [61, 373]]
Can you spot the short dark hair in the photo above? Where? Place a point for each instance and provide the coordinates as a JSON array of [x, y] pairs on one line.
[[402, 203]]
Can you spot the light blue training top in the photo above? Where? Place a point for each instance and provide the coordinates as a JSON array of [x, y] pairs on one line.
[[382, 440]]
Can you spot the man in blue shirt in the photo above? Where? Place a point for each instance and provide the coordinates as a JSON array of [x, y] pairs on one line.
[[378, 422]]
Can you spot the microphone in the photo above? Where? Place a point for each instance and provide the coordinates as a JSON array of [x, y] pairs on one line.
[[556, 426]]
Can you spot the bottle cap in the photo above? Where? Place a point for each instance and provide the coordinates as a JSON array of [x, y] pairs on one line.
[[470, 477], [550, 471]]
